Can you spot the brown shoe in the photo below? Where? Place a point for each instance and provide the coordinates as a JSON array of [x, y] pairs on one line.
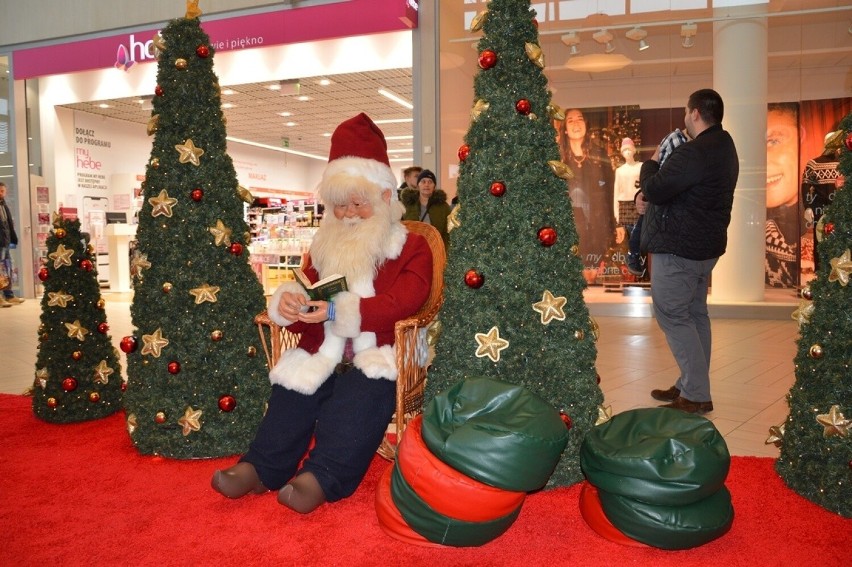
[[4, 303], [15, 300], [237, 481], [689, 406], [302, 494], [669, 395]]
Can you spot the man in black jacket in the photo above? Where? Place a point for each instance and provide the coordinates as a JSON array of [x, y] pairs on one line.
[[7, 238], [686, 225]]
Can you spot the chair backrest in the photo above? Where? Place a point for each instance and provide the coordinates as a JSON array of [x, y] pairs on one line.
[[439, 262]]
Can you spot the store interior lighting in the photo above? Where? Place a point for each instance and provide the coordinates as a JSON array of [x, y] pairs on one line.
[[571, 39], [604, 37], [687, 32], [396, 98], [638, 34]]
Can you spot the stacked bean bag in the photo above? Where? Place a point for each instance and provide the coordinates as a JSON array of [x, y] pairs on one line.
[[657, 478], [464, 466]]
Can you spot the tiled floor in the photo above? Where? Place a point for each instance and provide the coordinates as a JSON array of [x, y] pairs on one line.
[[751, 369]]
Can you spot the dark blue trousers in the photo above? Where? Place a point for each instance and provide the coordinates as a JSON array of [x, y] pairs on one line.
[[347, 416]]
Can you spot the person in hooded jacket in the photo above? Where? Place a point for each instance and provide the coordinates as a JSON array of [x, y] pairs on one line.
[[427, 204]]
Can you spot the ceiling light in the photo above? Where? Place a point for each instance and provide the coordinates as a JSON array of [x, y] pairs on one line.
[[571, 39], [285, 114], [687, 32], [228, 105], [103, 105], [638, 34], [228, 91], [598, 62], [396, 98], [324, 82], [274, 87], [393, 121], [303, 98], [604, 38]]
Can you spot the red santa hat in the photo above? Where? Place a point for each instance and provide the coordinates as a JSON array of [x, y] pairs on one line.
[[358, 152]]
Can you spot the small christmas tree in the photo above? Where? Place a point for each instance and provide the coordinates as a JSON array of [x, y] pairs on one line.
[[816, 438], [197, 383], [514, 307], [77, 374]]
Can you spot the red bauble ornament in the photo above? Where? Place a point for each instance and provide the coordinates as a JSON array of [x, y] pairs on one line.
[[849, 141], [535, 23], [227, 403], [236, 248], [42, 274], [86, 264], [828, 228], [197, 194], [566, 419], [487, 59], [94, 397], [523, 106], [128, 344], [598, 378], [160, 417], [158, 90], [103, 328], [202, 51], [547, 236], [69, 384], [464, 151], [51, 402], [174, 367], [59, 232], [498, 188], [76, 355], [474, 279]]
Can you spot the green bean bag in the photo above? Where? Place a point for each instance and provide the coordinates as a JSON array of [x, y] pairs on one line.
[[660, 456], [670, 527], [498, 433], [442, 529]]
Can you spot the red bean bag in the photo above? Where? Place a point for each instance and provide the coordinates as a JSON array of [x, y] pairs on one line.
[[590, 509], [390, 520], [446, 490]]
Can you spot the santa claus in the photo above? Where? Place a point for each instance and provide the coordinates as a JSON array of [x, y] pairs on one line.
[[337, 386]]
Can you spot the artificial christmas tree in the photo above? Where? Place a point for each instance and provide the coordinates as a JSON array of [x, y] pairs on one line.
[[514, 308], [77, 374], [816, 438], [197, 382]]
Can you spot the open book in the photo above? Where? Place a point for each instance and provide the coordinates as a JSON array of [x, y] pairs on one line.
[[324, 289]]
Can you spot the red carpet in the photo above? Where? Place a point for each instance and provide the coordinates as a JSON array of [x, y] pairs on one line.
[[80, 494]]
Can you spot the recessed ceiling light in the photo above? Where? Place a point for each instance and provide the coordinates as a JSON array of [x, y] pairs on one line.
[[228, 105], [393, 121], [324, 82], [303, 98], [291, 124], [103, 105], [396, 98], [274, 87], [327, 135], [285, 114], [228, 91], [399, 137]]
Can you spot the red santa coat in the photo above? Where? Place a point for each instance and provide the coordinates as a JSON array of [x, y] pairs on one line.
[[366, 314]]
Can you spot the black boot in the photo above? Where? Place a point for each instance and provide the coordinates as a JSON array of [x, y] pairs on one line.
[[237, 481]]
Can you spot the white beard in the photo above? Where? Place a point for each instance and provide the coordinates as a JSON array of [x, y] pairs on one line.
[[355, 248]]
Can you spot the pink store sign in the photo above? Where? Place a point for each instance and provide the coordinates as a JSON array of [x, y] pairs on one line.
[[341, 19]]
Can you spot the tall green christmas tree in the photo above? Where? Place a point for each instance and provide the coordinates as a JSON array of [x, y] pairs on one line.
[[197, 376], [816, 438], [514, 308], [77, 376]]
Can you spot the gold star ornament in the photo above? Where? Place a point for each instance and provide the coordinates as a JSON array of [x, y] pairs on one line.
[[550, 307], [154, 343], [803, 314], [479, 107], [205, 293], [561, 170], [138, 263], [841, 268], [77, 331], [153, 124], [131, 423], [834, 423], [453, 221], [490, 344], [191, 420], [62, 256], [162, 204], [221, 233], [535, 54], [189, 153], [102, 372], [192, 12], [478, 20], [604, 414], [159, 44], [59, 298], [41, 378], [776, 435], [245, 194]]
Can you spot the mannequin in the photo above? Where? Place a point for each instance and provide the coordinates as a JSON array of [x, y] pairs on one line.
[[626, 184]]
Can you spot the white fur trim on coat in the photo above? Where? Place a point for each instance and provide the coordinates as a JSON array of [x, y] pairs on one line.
[[347, 315], [302, 372], [377, 362]]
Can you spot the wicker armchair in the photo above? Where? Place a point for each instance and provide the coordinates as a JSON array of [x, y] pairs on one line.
[[409, 339]]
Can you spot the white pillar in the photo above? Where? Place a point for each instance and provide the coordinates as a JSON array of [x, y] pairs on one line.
[[740, 71]]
